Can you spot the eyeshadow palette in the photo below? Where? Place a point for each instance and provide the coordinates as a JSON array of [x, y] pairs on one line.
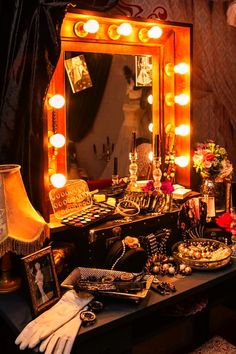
[[94, 214]]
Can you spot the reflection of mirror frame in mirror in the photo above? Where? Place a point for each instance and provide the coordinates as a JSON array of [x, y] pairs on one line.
[[171, 48]]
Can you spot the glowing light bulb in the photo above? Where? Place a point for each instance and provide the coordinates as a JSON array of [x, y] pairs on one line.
[[150, 156], [182, 161], [57, 140], [58, 180], [91, 26], [181, 68], [125, 29], [182, 99], [150, 99], [150, 127], [182, 130], [56, 101], [155, 32]]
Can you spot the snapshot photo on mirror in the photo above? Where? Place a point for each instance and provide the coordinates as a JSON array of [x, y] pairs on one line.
[[143, 70], [78, 73]]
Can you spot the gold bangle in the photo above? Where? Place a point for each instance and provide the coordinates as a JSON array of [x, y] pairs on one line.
[[127, 210]]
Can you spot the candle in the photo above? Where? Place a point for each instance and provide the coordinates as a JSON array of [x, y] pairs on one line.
[[156, 145], [133, 143], [115, 169]]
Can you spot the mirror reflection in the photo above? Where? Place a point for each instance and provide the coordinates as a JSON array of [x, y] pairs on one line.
[[108, 96]]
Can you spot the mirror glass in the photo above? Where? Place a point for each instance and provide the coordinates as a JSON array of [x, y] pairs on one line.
[[109, 100]]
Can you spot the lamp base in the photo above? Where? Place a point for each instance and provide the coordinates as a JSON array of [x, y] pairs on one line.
[[8, 282]]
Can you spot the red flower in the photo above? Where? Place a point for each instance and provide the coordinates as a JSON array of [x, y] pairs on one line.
[[209, 156], [167, 187], [224, 221]]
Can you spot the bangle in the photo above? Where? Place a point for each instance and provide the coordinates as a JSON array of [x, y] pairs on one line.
[[128, 207]]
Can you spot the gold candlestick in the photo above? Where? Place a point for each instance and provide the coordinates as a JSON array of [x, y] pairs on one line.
[[133, 169]]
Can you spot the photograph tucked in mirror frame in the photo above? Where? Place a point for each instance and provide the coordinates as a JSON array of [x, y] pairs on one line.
[[42, 279]]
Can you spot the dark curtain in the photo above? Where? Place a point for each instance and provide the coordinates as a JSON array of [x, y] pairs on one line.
[[83, 106], [29, 51]]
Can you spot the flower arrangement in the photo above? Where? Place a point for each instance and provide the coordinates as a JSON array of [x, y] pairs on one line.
[[166, 187], [211, 160]]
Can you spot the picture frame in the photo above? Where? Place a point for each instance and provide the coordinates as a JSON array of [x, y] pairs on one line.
[[143, 70], [40, 271], [78, 73]]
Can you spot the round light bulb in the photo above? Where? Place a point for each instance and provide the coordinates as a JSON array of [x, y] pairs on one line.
[[125, 29], [91, 26], [56, 101], [182, 130], [155, 32], [150, 99], [182, 161], [182, 99], [58, 180], [150, 156], [57, 140], [150, 127], [181, 68]]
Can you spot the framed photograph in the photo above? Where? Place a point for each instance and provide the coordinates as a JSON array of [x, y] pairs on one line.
[[42, 279], [78, 73], [143, 70]]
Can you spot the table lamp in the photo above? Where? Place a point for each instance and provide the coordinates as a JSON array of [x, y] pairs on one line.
[[22, 229]]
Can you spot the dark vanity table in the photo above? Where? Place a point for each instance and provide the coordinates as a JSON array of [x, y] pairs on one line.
[[128, 327]]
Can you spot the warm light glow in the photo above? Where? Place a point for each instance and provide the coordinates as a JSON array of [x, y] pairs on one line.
[[150, 127], [58, 180], [150, 155], [125, 29], [182, 130], [150, 99], [56, 101], [181, 68], [155, 32], [91, 26], [182, 99], [182, 161], [57, 140]]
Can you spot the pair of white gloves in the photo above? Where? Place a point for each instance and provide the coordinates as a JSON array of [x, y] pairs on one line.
[[55, 330]]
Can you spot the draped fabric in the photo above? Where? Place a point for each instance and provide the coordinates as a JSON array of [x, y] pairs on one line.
[[214, 64], [30, 47], [29, 51]]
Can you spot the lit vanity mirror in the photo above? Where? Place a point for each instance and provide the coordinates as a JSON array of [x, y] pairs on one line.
[[117, 76]]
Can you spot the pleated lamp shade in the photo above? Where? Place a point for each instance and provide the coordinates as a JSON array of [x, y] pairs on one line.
[[22, 229]]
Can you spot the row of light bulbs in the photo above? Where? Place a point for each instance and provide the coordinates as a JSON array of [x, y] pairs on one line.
[[57, 141], [114, 32]]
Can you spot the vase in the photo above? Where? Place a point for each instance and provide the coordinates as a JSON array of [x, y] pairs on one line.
[[218, 190], [208, 191]]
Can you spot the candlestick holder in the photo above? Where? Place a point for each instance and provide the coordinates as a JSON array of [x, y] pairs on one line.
[[133, 169], [157, 174]]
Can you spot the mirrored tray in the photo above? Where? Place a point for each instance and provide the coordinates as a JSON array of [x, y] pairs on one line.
[[84, 273], [202, 253]]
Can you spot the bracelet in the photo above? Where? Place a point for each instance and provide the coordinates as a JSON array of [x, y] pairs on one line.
[[125, 210]]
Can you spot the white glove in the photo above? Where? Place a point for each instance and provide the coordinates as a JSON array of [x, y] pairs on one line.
[[47, 323], [62, 340]]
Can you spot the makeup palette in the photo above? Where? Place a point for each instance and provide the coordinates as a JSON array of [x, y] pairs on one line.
[[94, 214]]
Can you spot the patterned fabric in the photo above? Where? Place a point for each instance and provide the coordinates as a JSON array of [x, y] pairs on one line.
[[216, 345]]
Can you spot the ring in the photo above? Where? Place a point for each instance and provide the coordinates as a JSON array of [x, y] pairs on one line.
[[87, 317]]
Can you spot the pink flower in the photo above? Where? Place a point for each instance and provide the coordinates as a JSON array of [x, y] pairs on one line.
[[149, 186], [167, 187]]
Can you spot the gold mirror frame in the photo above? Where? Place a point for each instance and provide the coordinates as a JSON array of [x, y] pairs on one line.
[[172, 47]]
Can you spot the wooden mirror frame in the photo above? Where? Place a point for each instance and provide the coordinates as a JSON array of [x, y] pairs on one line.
[[174, 46]]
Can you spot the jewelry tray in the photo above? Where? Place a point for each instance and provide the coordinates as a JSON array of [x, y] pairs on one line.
[[203, 263], [82, 272]]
